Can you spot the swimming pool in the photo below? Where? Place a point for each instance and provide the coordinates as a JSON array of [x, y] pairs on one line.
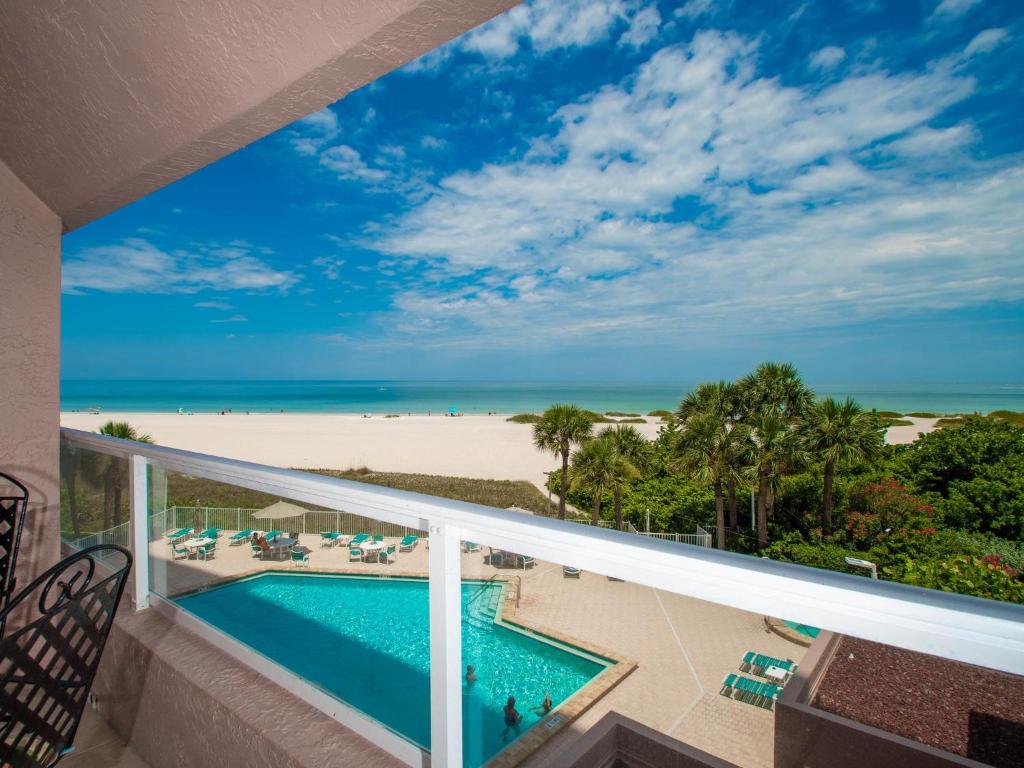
[[366, 641]]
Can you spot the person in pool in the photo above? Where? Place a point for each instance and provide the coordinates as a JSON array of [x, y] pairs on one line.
[[512, 717], [545, 706], [470, 675]]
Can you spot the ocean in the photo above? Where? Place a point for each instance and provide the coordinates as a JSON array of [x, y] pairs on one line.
[[484, 397]]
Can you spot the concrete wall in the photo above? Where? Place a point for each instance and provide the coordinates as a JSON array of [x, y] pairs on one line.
[[30, 364]]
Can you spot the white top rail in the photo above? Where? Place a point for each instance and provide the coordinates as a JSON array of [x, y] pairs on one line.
[[968, 629]]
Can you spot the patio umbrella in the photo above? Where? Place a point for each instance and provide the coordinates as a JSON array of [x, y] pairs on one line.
[[281, 510]]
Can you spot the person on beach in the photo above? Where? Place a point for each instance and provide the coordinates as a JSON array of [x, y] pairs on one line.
[[512, 717], [545, 706], [470, 675]]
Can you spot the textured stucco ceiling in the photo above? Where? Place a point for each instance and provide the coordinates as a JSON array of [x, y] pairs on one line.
[[103, 101]]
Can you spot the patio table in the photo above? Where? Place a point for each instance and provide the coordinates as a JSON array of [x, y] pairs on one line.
[[776, 674], [196, 543]]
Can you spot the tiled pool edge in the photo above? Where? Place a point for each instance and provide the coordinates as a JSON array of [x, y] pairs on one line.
[[566, 713], [546, 728]]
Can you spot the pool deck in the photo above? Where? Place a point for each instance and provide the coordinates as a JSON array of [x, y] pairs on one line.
[[682, 647]]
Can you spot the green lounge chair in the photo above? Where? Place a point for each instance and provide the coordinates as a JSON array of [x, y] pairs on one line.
[[526, 561], [236, 539], [753, 692], [569, 572], [358, 539], [386, 555], [355, 554], [179, 553], [273, 535], [207, 551], [728, 685], [178, 533], [757, 663], [408, 544], [471, 546], [377, 538], [300, 557], [329, 538], [257, 550]]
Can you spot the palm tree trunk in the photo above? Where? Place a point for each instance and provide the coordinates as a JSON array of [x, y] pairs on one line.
[[826, 495], [618, 508], [719, 515], [769, 503], [597, 505], [565, 485], [762, 519], [732, 502]]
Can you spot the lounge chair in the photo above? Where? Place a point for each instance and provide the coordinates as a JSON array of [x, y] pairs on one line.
[[210, 533], [569, 572], [757, 663], [387, 555], [300, 557], [179, 553], [526, 560], [408, 544], [471, 546], [271, 535], [751, 691], [178, 533], [237, 539], [355, 554], [207, 551], [329, 538], [378, 538], [358, 539]]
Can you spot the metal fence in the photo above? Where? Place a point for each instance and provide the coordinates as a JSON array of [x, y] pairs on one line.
[[240, 518], [119, 534], [699, 539]]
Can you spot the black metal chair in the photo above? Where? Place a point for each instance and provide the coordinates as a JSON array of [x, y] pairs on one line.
[[12, 522], [48, 665]]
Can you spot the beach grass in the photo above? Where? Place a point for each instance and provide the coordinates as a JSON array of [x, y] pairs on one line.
[[889, 414], [923, 415], [1014, 417], [524, 418], [636, 420], [619, 414], [661, 414], [897, 423]]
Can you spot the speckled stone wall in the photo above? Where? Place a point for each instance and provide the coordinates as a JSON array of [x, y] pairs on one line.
[[30, 363]]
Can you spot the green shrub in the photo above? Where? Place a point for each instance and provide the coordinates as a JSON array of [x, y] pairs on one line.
[[1014, 417], [897, 423], [660, 414], [391, 416], [524, 418], [599, 418], [981, 577], [889, 414], [922, 415], [621, 413], [950, 421], [636, 420]]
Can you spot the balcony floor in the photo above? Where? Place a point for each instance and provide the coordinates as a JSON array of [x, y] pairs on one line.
[[97, 746]]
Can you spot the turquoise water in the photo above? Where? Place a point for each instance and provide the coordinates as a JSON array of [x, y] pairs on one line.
[[366, 641], [803, 629], [481, 397]]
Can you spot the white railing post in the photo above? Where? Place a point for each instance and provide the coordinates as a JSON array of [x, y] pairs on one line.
[[445, 647], [139, 519]]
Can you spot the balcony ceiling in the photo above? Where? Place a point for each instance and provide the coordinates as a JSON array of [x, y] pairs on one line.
[[104, 101]]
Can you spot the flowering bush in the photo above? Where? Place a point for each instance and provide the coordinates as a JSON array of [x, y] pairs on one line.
[[889, 509], [981, 577]]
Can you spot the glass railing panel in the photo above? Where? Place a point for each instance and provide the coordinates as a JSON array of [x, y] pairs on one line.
[[95, 497], [338, 599]]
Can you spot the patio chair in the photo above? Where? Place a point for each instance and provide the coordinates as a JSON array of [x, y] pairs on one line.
[[378, 538], [50, 663], [179, 553], [13, 507], [569, 572], [471, 546], [239, 538], [329, 538], [265, 548], [387, 555], [408, 544], [526, 561], [207, 551], [355, 554], [256, 549], [300, 557]]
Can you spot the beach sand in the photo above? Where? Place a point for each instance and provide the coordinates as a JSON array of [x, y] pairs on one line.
[[479, 446]]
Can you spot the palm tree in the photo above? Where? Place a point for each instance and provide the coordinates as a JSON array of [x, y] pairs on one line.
[[115, 475], [776, 449], [723, 399], [714, 451], [635, 449], [775, 387], [598, 465], [839, 433], [560, 427]]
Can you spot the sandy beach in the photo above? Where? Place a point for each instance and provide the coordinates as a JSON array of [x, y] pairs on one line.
[[473, 445]]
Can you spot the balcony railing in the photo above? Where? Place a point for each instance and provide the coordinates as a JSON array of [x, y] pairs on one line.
[[957, 627]]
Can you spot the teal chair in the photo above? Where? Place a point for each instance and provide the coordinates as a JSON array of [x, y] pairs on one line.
[[300, 557], [207, 551]]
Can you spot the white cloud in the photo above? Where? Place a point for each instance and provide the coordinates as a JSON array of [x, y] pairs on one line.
[[695, 8], [700, 194], [953, 9], [828, 57], [222, 305], [643, 27], [135, 265], [432, 142], [232, 319], [312, 132], [330, 266], [985, 42], [349, 165]]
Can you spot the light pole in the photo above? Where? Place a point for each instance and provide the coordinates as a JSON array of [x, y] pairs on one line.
[[858, 563]]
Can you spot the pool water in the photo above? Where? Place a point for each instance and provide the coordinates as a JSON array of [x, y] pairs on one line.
[[803, 629], [366, 641]]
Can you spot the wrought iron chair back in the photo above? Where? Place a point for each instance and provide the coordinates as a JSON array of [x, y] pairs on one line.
[[12, 521], [48, 665]]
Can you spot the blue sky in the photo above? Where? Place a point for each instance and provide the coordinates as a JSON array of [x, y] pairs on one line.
[[603, 190]]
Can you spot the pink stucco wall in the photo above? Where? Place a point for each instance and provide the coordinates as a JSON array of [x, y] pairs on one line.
[[30, 363]]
